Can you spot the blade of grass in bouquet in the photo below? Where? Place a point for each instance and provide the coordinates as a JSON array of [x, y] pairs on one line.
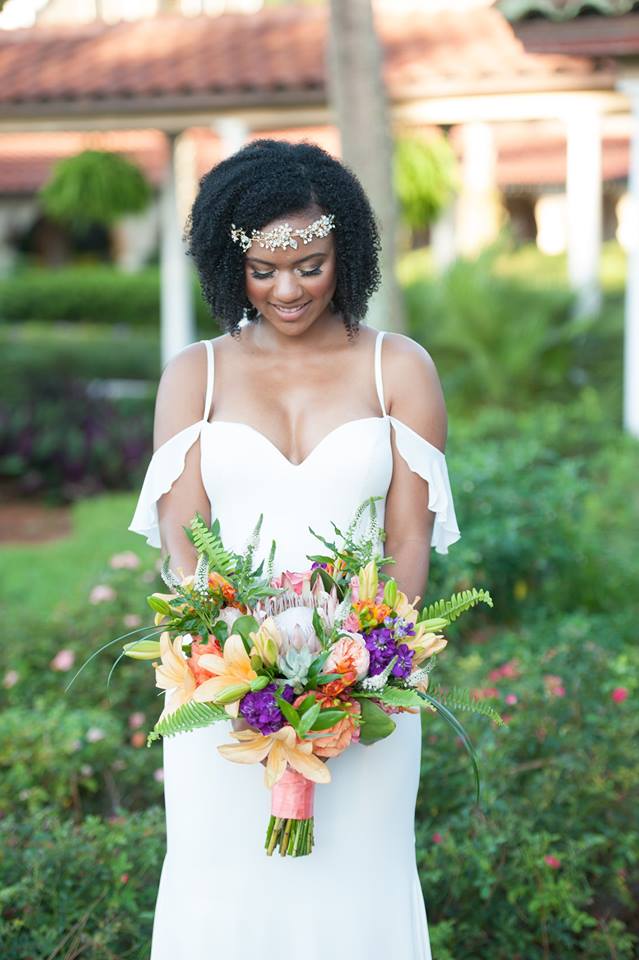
[[460, 731], [109, 644]]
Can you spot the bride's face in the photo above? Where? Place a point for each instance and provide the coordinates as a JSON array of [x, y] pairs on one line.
[[292, 288]]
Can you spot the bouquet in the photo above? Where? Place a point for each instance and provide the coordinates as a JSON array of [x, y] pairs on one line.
[[304, 664]]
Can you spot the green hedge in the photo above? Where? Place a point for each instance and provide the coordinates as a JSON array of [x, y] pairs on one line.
[[89, 294], [35, 353], [79, 890]]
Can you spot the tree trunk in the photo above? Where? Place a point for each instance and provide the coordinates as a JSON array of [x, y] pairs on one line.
[[357, 93]]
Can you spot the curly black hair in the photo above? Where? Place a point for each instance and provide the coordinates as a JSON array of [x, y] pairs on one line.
[[265, 180]]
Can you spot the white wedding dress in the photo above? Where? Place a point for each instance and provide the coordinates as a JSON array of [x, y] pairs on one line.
[[357, 896]]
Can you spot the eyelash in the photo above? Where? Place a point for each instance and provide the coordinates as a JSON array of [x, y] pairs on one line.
[[315, 272]]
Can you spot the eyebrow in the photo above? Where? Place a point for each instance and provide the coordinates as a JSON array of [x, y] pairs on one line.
[[318, 253]]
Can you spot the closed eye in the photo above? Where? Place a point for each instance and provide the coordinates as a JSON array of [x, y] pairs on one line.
[[305, 273]]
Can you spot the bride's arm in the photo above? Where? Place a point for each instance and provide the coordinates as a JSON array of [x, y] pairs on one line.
[[414, 396], [180, 403]]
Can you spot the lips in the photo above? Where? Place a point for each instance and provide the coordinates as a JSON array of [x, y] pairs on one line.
[[290, 311]]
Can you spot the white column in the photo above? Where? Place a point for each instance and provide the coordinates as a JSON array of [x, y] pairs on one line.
[[584, 198], [233, 133], [478, 208], [176, 301], [442, 238], [630, 86]]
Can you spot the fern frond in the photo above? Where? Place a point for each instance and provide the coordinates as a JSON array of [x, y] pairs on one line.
[[460, 698], [210, 544], [190, 716], [452, 609]]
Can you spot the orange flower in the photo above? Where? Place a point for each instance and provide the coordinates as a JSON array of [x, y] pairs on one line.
[[226, 588], [336, 739], [197, 649]]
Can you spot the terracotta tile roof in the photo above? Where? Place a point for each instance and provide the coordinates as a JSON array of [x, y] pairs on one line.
[[584, 37], [275, 56]]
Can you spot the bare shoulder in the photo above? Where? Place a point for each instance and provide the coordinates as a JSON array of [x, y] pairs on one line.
[[412, 387], [181, 392]]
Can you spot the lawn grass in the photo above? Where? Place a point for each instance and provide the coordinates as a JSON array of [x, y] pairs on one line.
[[63, 571]]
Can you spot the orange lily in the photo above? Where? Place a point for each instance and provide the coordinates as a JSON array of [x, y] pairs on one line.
[[281, 747], [233, 675], [174, 674]]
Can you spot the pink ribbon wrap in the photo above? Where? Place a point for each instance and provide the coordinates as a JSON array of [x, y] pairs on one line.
[[292, 796]]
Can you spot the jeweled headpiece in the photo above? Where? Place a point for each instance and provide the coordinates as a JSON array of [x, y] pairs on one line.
[[284, 235]]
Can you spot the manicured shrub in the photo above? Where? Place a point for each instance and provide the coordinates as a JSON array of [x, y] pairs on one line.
[[89, 294], [79, 890]]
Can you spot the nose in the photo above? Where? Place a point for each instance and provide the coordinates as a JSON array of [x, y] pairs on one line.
[[287, 287]]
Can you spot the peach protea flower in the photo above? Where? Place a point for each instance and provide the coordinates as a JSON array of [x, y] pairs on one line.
[[281, 748], [174, 674], [232, 674]]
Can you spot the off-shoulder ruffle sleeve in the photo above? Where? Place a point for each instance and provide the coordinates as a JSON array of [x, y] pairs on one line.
[[166, 465], [430, 463]]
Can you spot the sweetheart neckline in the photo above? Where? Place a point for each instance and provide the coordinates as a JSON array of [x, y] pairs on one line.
[[273, 446]]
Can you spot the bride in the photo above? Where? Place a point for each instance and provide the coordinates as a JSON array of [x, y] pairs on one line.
[[298, 413]]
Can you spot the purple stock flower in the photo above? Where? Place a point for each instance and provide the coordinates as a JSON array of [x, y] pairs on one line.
[[382, 646], [403, 666], [261, 711]]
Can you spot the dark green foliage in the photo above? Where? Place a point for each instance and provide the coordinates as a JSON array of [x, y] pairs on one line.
[[79, 890], [95, 186], [90, 294]]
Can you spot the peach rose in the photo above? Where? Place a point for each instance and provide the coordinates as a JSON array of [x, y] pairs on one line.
[[347, 655], [336, 739]]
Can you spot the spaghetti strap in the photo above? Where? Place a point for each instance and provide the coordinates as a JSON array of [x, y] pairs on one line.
[[378, 370], [210, 377]]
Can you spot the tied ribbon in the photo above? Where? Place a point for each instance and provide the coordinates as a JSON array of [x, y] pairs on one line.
[[292, 796]]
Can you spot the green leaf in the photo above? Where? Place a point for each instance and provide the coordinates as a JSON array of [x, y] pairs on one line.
[[307, 702], [289, 712], [399, 697], [328, 719], [376, 724], [327, 677], [308, 718]]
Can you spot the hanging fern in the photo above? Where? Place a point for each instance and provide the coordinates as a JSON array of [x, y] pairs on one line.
[[452, 609], [459, 698], [189, 716]]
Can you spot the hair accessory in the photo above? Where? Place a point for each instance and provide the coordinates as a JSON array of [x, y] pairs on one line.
[[284, 235]]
